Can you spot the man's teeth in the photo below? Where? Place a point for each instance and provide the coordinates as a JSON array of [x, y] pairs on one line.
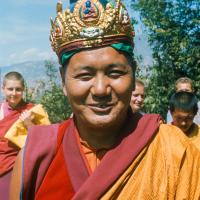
[[102, 106]]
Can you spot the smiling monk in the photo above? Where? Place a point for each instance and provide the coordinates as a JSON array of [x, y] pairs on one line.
[[105, 151]]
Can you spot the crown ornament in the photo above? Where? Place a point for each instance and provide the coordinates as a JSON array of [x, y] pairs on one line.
[[90, 25]]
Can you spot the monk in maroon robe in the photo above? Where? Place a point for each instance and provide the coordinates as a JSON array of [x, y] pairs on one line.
[[105, 151], [13, 108]]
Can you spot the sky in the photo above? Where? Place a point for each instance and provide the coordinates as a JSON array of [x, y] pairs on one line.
[[25, 28]]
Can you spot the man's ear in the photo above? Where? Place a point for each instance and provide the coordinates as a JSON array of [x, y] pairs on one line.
[[62, 74], [64, 90]]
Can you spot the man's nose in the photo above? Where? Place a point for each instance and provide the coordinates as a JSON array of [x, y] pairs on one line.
[[101, 86], [140, 99], [183, 123]]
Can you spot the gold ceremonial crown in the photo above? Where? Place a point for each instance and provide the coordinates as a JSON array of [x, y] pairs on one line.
[[90, 25]]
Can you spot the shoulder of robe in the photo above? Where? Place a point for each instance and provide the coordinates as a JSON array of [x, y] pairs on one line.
[[42, 134], [171, 132], [174, 142]]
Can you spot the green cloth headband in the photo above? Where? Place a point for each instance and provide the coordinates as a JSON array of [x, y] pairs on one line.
[[127, 48]]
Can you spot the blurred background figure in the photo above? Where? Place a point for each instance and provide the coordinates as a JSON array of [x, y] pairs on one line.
[[138, 96], [183, 108], [16, 116], [185, 84]]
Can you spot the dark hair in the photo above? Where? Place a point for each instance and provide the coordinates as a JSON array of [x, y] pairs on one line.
[[185, 101], [14, 76]]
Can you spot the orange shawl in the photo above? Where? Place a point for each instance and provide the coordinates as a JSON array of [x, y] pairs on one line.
[[168, 168], [194, 135]]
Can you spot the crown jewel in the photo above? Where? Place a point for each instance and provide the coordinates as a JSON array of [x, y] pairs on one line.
[[90, 25]]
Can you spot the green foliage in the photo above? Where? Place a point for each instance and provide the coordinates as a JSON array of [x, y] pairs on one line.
[[56, 104], [173, 33], [53, 99]]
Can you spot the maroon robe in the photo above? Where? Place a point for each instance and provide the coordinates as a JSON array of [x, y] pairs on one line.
[[54, 167], [8, 151]]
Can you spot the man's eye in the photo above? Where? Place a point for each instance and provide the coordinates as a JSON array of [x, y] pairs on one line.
[[189, 118], [84, 76], [179, 118], [116, 73]]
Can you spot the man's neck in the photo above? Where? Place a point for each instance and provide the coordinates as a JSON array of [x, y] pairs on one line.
[[101, 138]]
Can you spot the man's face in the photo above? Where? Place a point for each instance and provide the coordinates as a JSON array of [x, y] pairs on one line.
[[98, 84], [137, 98], [13, 92], [182, 119], [184, 87]]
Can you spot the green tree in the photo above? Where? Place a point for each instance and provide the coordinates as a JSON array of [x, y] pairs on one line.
[[53, 99], [173, 34]]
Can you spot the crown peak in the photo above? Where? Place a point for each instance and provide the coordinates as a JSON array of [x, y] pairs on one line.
[[90, 24], [59, 6]]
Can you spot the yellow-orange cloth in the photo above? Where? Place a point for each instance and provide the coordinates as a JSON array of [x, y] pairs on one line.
[[18, 132], [194, 135], [166, 169], [93, 157]]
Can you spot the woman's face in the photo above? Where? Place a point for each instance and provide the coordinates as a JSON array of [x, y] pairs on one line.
[[137, 98], [98, 84], [13, 91]]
